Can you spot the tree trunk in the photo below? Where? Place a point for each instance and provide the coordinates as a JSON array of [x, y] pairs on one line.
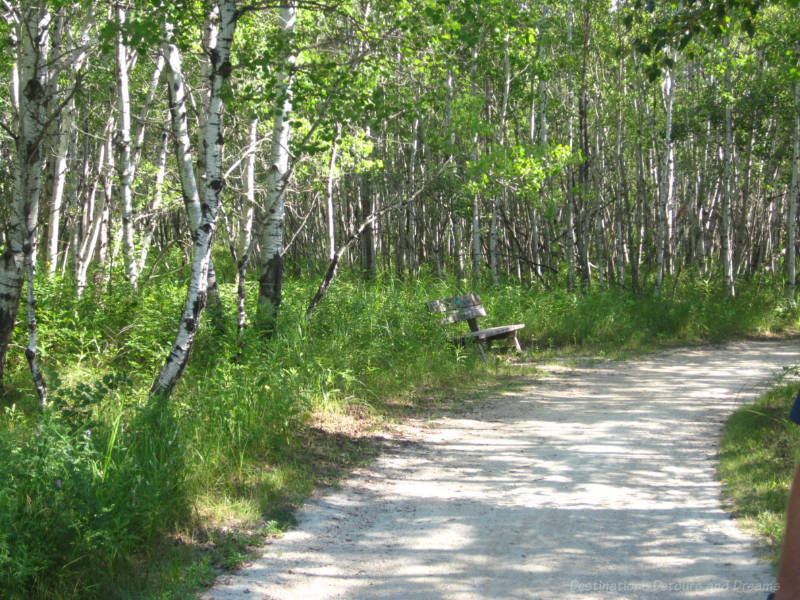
[[665, 189], [123, 152], [727, 205], [329, 197], [201, 257], [242, 253], [794, 196], [271, 280], [19, 255]]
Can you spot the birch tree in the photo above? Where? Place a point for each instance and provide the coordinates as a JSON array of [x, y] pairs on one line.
[[18, 260], [123, 149], [666, 183], [205, 207], [271, 279], [794, 194]]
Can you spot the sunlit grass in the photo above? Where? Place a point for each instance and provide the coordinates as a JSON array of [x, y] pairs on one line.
[[758, 456]]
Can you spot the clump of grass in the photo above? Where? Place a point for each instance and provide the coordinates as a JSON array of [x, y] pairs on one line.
[[692, 311], [759, 453]]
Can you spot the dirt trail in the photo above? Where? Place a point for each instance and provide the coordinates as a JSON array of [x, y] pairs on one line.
[[594, 483]]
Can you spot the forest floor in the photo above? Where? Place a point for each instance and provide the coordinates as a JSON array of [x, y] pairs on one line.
[[593, 480]]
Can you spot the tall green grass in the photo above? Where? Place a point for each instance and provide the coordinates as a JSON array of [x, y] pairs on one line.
[[759, 453], [93, 488], [691, 311]]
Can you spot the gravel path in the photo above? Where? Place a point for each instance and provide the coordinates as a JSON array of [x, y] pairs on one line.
[[596, 482]]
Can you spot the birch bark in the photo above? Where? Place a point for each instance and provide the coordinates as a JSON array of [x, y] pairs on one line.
[[665, 188], [727, 205], [65, 135], [329, 195], [19, 256], [571, 242], [158, 194], [123, 151], [271, 280], [207, 208], [794, 195], [246, 226], [493, 233], [94, 217]]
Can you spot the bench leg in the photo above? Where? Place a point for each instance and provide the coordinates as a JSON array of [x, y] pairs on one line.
[[514, 341]]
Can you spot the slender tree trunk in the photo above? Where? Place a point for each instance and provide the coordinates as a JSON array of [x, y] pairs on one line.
[[242, 254], [665, 189], [727, 207], [582, 207], [622, 199], [477, 255], [123, 152], [65, 139], [158, 193], [19, 256], [794, 196], [198, 283], [329, 197], [570, 234], [369, 259], [94, 217], [493, 233], [271, 280]]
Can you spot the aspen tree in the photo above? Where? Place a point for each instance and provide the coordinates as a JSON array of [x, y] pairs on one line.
[[207, 205], [271, 279], [794, 195]]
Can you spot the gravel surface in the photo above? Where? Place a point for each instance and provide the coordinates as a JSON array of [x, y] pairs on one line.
[[592, 482]]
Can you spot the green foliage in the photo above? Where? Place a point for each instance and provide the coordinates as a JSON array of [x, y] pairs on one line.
[[79, 510], [759, 453], [75, 501], [697, 311]]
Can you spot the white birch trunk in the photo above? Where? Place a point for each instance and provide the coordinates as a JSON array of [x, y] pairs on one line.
[[65, 137], [330, 189], [123, 153], [271, 280], [201, 254], [665, 189], [158, 194], [477, 258], [622, 200], [94, 216], [210, 40], [246, 226], [180, 133], [493, 226], [19, 256], [103, 252], [794, 196], [571, 242], [727, 205]]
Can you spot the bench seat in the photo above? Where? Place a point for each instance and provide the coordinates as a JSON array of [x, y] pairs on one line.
[[468, 308]]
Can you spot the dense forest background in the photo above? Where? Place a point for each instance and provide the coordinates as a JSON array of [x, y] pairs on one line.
[[182, 183]]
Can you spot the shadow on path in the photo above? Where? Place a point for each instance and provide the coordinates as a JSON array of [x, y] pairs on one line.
[[598, 483]]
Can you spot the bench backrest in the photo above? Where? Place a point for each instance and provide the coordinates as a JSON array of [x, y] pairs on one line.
[[460, 308]]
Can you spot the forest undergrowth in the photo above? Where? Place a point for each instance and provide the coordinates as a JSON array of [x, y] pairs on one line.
[[107, 493]]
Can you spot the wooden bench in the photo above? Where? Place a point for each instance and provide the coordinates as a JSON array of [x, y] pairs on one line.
[[468, 308]]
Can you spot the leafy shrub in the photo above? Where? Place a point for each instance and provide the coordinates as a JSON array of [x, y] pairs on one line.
[[75, 501]]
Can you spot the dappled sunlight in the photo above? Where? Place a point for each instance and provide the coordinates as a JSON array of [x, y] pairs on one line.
[[597, 484]]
